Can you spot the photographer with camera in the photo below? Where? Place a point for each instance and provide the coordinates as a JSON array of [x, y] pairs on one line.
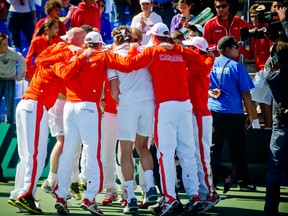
[[282, 14], [230, 83], [259, 50], [276, 71]]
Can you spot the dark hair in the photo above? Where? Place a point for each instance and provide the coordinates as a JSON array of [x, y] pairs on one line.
[[87, 28], [282, 50], [227, 1], [162, 39], [48, 23], [94, 45], [3, 36], [121, 35], [188, 2], [177, 35], [51, 4]]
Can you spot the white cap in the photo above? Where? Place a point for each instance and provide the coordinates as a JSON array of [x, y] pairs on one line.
[[93, 37], [159, 29], [197, 27], [260, 8], [199, 42], [145, 1]]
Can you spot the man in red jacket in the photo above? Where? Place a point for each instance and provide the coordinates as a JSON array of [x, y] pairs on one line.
[[223, 24], [87, 13]]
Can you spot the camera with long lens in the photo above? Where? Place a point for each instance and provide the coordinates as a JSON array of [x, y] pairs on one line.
[[273, 30]]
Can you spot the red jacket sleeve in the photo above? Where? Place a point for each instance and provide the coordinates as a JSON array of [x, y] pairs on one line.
[[67, 69]]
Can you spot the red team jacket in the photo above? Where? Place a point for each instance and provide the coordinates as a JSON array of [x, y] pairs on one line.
[[38, 44], [198, 85], [46, 83], [61, 26], [170, 83], [110, 102], [215, 29], [87, 85], [260, 50], [85, 15]]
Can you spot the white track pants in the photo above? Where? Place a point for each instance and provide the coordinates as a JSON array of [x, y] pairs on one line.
[[173, 131], [81, 125]]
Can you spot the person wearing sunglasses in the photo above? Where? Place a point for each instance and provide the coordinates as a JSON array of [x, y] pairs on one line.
[[223, 24], [230, 83]]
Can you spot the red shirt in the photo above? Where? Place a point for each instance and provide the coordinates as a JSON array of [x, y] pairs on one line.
[[167, 68], [61, 26], [215, 29], [198, 85], [87, 85], [110, 102], [260, 50], [38, 44], [47, 83], [86, 15]]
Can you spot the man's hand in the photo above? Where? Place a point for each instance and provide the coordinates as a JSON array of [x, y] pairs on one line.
[[75, 49], [134, 45], [281, 13], [88, 52], [166, 45], [210, 54], [214, 93]]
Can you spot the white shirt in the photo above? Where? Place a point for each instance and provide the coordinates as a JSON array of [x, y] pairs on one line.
[[135, 86], [150, 21], [15, 6]]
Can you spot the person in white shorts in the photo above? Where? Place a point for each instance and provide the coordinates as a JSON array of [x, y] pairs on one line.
[[135, 119], [55, 123]]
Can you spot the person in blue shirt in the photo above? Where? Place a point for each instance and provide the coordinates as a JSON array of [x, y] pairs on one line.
[[229, 85], [105, 26]]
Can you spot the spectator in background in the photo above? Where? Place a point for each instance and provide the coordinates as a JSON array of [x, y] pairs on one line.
[[66, 12], [45, 36], [21, 17], [164, 9], [229, 85], [145, 20], [136, 35], [223, 24], [52, 9], [195, 30], [181, 20], [120, 8], [177, 37], [8, 74], [87, 13], [105, 23], [259, 50]]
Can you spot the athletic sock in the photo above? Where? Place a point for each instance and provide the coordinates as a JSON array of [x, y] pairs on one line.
[[52, 178], [130, 189], [149, 179]]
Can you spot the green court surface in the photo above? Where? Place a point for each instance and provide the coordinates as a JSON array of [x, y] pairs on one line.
[[234, 203]]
